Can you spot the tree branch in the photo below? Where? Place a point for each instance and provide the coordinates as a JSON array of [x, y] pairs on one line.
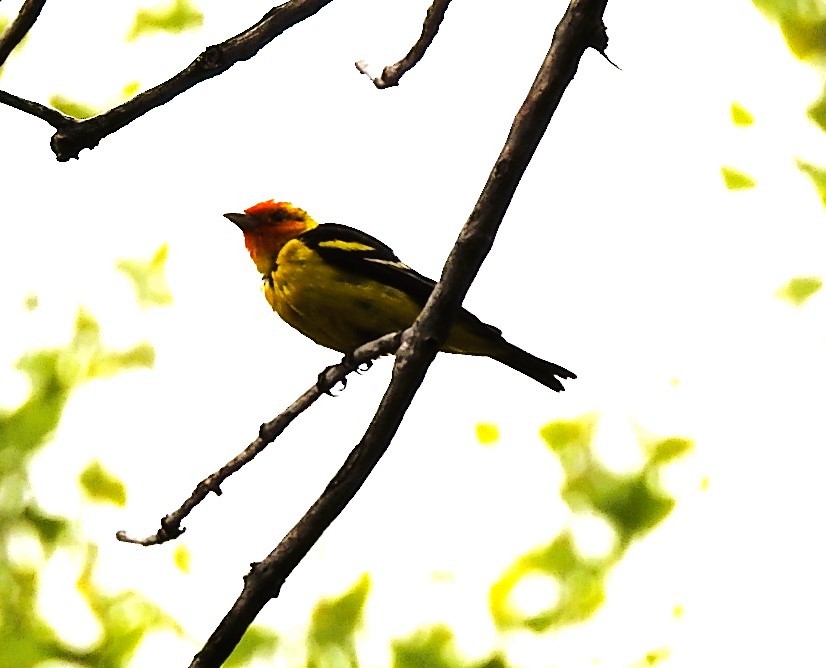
[[52, 116], [391, 74], [268, 432], [580, 28], [20, 26], [74, 136]]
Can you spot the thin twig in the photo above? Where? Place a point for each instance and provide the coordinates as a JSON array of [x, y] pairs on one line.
[[391, 74], [72, 138], [53, 117], [20, 26], [269, 431], [581, 27]]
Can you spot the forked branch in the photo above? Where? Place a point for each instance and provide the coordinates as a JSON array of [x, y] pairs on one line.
[[73, 135], [581, 28], [269, 431], [391, 74]]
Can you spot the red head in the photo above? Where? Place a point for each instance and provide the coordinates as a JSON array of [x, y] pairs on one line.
[[267, 226]]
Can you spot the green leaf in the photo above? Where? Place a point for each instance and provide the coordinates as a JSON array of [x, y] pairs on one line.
[[736, 180], [149, 278], [257, 643], [125, 618], [798, 290], [71, 108], [740, 116], [818, 177], [668, 449], [50, 529], [803, 25], [581, 587], [817, 112], [569, 434], [101, 486], [335, 620], [176, 17], [433, 647]]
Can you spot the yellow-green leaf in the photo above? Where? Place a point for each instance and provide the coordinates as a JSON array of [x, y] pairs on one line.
[[817, 112], [666, 449], [256, 643], [799, 289], [101, 486], [176, 17], [336, 619], [581, 587], [72, 108], [803, 25], [818, 177], [182, 558], [737, 180], [740, 115], [149, 278], [131, 89]]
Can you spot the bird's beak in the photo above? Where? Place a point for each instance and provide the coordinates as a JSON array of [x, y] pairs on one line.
[[242, 220]]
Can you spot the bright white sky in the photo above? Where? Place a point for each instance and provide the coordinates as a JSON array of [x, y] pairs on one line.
[[622, 257]]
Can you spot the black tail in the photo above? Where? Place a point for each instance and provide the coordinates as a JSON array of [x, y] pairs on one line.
[[541, 371]]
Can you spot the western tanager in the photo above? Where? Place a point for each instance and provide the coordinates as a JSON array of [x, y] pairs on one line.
[[343, 288]]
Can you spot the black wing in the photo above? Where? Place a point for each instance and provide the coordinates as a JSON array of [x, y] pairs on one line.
[[376, 261]]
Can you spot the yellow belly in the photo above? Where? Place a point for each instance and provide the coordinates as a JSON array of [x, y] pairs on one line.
[[341, 311]]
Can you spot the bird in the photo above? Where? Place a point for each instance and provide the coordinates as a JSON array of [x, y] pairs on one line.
[[342, 288]]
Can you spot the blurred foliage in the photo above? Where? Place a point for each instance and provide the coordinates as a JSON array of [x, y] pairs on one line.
[[736, 180], [817, 112], [487, 433], [740, 115], [653, 658], [26, 639], [101, 486], [82, 110], [149, 278], [131, 89], [435, 648], [178, 16], [818, 177], [798, 290], [71, 108], [182, 558], [803, 24], [334, 622], [257, 643], [631, 503]]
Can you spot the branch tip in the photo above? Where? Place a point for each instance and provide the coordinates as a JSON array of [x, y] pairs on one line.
[[391, 74]]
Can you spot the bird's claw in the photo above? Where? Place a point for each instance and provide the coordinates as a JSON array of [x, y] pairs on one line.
[[324, 385], [364, 366]]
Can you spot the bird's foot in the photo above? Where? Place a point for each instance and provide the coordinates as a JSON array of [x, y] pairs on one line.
[[325, 386]]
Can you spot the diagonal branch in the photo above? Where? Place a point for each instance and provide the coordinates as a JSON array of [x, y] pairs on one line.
[[391, 74], [76, 135], [581, 27], [20, 26], [269, 431]]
